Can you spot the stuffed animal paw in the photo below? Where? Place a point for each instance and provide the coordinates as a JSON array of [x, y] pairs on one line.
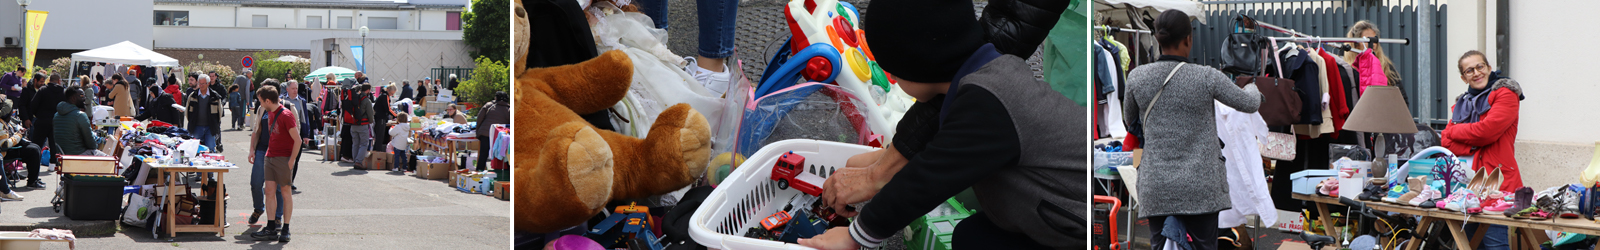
[[567, 169]]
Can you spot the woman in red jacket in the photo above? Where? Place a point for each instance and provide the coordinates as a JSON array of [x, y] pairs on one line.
[[1483, 124]]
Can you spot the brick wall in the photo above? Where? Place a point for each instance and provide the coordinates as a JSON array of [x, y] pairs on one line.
[[224, 57]]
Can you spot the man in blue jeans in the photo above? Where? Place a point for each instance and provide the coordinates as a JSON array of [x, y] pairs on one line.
[[258, 145], [205, 111], [717, 18]]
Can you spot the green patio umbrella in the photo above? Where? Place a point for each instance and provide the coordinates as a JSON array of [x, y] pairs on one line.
[[339, 73]]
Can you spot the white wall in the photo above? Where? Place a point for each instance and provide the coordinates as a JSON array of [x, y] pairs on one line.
[[433, 20], [276, 17], [1555, 135], [394, 59], [406, 20], [329, 17], [82, 24], [273, 38], [223, 16], [1552, 73], [214, 16]]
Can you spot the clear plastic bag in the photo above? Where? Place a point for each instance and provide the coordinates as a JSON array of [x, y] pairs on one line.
[[807, 111]]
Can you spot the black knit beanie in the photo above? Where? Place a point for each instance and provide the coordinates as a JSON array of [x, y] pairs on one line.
[[922, 40]]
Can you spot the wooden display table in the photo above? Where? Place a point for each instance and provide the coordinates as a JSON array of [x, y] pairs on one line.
[[1526, 229], [169, 181]]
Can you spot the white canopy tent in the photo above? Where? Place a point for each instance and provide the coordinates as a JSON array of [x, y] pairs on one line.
[[1146, 8], [125, 52]]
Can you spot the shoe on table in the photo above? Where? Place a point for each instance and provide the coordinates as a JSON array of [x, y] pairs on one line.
[[1395, 192], [1423, 197]]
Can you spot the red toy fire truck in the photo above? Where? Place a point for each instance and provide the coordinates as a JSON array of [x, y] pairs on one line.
[[790, 171]]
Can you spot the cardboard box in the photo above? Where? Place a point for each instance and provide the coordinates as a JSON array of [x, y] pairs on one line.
[[377, 160], [452, 180], [330, 151], [501, 189], [82, 164], [469, 182], [434, 171], [113, 143]]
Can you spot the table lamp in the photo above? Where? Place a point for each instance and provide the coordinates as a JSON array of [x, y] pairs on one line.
[[1381, 110]]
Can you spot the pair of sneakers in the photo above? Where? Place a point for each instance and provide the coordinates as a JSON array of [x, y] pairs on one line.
[[1462, 200]]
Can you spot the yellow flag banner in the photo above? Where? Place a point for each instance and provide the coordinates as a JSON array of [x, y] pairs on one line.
[[34, 26]]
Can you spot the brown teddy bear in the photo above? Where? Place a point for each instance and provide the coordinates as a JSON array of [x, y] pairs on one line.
[[567, 170]]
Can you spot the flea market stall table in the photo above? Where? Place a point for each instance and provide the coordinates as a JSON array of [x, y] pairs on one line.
[[1527, 231], [168, 173]]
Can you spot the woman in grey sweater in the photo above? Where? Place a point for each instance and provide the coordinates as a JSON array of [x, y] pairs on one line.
[[1182, 173]]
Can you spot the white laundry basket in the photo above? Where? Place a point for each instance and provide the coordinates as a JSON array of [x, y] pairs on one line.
[[749, 194]]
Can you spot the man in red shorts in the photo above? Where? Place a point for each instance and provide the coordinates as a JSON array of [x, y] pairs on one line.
[[280, 158]]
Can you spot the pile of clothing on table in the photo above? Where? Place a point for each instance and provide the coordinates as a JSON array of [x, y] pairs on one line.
[[450, 130]]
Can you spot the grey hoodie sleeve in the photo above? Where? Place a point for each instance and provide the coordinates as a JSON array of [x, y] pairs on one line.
[[1247, 99]]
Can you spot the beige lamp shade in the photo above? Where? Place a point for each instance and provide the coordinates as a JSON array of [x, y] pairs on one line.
[[1381, 110]]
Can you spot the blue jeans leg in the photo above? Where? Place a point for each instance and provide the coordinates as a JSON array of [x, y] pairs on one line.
[[206, 137], [717, 19], [657, 10], [1495, 238], [258, 181], [399, 159]]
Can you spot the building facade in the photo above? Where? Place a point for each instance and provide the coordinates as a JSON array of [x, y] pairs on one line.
[[225, 31]]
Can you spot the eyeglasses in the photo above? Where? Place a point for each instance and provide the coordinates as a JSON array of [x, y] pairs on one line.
[[1479, 68]]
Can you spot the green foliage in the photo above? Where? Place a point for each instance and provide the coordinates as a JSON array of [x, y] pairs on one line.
[[223, 71], [60, 65], [487, 27], [488, 78], [268, 66], [8, 64]]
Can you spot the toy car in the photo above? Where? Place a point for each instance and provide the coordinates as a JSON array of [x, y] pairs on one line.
[[788, 172], [776, 220]]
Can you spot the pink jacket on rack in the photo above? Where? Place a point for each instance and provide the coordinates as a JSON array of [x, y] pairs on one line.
[[1371, 70]]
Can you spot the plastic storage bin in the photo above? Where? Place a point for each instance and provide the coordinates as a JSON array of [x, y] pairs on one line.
[[92, 198], [749, 194], [1305, 182]]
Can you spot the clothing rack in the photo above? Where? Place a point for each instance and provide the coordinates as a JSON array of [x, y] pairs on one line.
[[1302, 37], [1118, 29], [1343, 40]]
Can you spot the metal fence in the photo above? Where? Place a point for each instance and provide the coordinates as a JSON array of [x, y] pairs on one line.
[[1333, 19], [444, 73]]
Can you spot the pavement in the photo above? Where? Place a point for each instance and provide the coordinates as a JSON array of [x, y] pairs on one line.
[[336, 207], [760, 30]]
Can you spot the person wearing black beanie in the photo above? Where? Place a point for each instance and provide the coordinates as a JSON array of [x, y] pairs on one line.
[[998, 131]]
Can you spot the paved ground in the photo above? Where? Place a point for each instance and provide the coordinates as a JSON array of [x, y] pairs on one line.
[[761, 30], [337, 207]]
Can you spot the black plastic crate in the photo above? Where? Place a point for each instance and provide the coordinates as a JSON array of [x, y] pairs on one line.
[[97, 199]]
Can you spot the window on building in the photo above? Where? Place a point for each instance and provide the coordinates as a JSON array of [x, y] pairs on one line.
[[452, 21], [172, 17], [383, 23], [346, 23], [313, 22], [258, 21]]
